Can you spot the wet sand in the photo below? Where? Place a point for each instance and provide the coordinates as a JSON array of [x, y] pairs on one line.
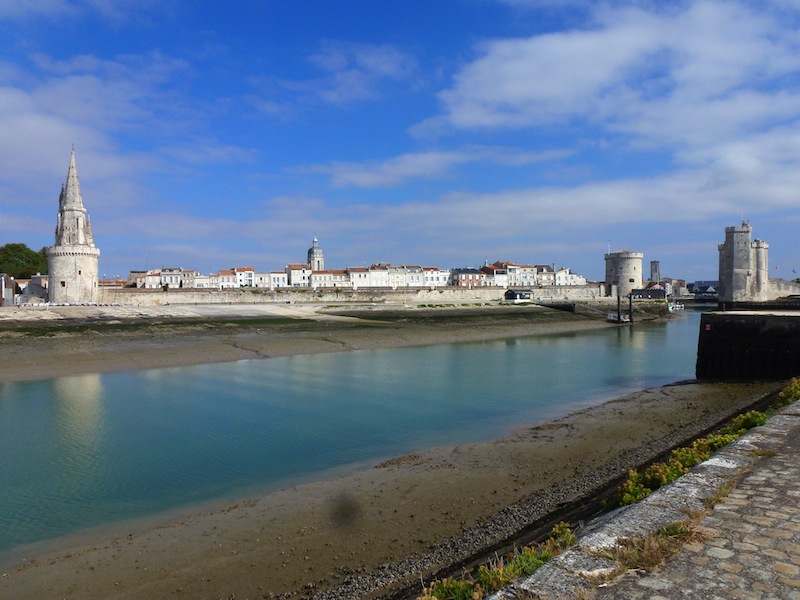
[[44, 343], [353, 535]]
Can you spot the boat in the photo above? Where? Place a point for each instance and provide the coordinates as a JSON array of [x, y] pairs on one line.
[[675, 307], [618, 318]]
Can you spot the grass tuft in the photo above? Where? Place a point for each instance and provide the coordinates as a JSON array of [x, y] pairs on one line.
[[500, 572], [647, 552]]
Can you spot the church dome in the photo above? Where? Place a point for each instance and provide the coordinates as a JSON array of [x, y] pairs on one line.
[[315, 250]]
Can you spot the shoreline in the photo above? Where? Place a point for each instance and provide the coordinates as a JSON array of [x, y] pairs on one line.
[[107, 339], [353, 534]]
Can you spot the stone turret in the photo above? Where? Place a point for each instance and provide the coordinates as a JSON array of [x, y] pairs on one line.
[[72, 262]]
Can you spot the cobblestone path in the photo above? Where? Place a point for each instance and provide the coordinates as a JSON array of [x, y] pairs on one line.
[[751, 545]]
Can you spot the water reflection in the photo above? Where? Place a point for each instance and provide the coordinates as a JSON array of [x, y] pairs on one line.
[[78, 451], [79, 408], [80, 443]]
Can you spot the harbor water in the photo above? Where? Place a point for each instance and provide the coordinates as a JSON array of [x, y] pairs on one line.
[[89, 450]]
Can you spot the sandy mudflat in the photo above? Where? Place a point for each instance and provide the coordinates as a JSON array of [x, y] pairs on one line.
[[356, 533], [41, 343]]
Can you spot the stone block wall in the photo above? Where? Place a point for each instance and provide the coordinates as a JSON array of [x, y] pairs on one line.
[[748, 345]]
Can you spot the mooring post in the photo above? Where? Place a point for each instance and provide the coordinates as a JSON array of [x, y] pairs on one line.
[[630, 306]]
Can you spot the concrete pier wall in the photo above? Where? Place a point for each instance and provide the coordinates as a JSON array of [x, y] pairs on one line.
[[741, 345]]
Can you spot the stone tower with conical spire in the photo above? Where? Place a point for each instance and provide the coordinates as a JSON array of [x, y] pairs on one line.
[[72, 260]]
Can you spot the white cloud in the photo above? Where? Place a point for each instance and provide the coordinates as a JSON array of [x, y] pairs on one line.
[[369, 60], [684, 77], [541, 79], [355, 71], [352, 73], [85, 94], [712, 86], [205, 152], [90, 103], [428, 164], [393, 171], [121, 10], [112, 10], [706, 91], [544, 216], [16, 10], [127, 92]]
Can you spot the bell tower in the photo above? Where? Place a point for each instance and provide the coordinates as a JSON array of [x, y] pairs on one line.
[[316, 259]]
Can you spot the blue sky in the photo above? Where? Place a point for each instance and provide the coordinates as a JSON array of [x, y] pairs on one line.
[[229, 133]]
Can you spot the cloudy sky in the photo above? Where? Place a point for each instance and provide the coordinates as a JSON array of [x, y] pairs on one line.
[[231, 132]]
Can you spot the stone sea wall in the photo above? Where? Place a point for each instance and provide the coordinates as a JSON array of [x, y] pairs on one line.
[[141, 297]]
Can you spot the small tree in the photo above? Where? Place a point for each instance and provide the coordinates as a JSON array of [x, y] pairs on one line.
[[21, 262]]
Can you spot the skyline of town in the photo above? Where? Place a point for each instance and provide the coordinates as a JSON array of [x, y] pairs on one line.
[[315, 274], [500, 274]]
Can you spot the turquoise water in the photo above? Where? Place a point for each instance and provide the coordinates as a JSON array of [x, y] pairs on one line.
[[78, 452]]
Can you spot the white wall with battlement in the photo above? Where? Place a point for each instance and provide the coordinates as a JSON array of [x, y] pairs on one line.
[[781, 288]]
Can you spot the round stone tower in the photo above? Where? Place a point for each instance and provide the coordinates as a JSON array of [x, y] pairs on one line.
[[72, 261], [623, 272], [316, 259]]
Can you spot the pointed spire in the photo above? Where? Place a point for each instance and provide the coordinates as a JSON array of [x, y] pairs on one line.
[[73, 223], [71, 196]]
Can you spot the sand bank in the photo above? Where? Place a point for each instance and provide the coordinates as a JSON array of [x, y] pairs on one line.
[[354, 535], [43, 343]]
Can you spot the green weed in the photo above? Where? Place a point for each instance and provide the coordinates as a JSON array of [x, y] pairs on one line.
[[639, 485], [789, 394], [501, 572]]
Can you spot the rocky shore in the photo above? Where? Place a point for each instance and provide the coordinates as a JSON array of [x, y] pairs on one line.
[[365, 533]]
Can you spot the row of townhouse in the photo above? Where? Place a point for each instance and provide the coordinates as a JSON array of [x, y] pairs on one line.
[[239, 277], [299, 275], [510, 275], [379, 276]]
